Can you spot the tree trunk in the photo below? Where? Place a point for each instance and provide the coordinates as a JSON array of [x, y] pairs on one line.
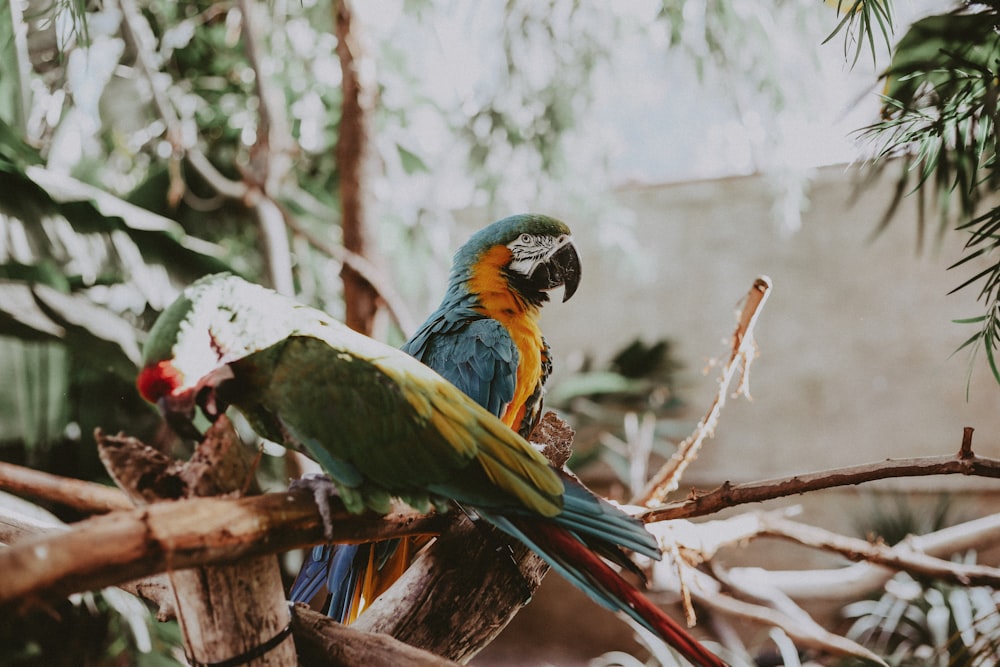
[[226, 612], [352, 157]]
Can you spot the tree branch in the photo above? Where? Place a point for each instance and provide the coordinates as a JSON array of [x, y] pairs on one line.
[[270, 157], [790, 618], [667, 479], [728, 495], [126, 545], [82, 496], [322, 642], [902, 556], [460, 593], [854, 581], [225, 612]]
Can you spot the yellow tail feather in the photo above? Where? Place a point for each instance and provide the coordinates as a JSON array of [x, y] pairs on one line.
[[377, 580]]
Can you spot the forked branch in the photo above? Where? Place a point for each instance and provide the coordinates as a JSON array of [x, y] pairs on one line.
[[744, 350]]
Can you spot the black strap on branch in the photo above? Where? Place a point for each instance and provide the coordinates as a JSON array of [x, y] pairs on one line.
[[244, 658]]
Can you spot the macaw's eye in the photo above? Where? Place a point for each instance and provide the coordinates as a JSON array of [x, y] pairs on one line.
[[525, 238]]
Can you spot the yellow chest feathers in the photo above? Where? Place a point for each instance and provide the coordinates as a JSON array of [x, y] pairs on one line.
[[497, 300]]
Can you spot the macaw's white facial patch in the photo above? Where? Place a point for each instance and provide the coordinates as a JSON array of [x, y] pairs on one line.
[[528, 251]]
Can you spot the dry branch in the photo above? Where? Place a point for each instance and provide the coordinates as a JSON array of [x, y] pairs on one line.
[[82, 496], [858, 580], [730, 495], [322, 642], [667, 479], [460, 593], [126, 545], [799, 626], [899, 557]]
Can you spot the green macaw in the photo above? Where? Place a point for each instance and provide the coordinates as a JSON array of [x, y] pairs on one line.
[[382, 424], [483, 338]]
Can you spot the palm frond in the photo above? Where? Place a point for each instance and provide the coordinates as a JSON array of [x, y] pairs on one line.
[[861, 18]]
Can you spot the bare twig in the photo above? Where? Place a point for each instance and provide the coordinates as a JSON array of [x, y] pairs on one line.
[[729, 495], [667, 479], [155, 589], [270, 156], [673, 574]]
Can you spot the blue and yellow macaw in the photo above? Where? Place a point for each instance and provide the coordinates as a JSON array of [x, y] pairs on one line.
[[485, 339], [382, 424]]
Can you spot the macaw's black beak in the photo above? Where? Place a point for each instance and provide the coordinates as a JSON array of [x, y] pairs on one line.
[[178, 411], [563, 268]]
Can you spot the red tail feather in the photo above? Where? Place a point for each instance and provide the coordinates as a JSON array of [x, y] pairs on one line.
[[556, 540]]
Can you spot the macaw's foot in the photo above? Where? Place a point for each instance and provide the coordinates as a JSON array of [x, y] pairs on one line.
[[323, 490]]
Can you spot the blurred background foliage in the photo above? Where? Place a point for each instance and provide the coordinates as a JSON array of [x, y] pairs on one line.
[[136, 137]]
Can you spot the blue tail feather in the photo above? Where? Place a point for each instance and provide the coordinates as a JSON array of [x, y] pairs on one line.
[[330, 566]]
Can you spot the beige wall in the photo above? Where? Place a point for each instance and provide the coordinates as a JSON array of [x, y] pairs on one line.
[[854, 343]]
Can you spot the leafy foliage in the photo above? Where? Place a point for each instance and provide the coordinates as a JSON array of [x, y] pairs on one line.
[[105, 628], [79, 269], [861, 17], [939, 117], [915, 623]]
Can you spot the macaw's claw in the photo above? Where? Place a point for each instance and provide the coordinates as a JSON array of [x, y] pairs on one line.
[[323, 490]]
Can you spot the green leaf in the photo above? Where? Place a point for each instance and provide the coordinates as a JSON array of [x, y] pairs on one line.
[[13, 151], [22, 317], [590, 384], [14, 85], [934, 47]]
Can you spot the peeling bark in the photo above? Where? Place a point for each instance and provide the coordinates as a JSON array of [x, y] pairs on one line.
[[228, 611]]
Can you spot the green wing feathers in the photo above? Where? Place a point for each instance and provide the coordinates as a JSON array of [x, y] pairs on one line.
[[409, 430]]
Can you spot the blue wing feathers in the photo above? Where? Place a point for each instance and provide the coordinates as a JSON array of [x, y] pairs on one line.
[[312, 575], [480, 358]]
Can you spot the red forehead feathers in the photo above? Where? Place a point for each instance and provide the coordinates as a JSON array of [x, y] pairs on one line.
[[157, 380]]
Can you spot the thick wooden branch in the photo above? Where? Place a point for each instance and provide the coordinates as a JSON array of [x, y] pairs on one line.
[[82, 496], [322, 642], [228, 612], [461, 592], [125, 545]]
